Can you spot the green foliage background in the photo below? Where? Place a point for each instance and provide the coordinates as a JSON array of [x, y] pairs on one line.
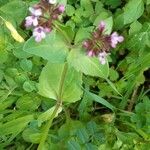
[[105, 107]]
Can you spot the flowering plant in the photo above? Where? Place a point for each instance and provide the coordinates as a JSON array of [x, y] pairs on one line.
[[74, 74]]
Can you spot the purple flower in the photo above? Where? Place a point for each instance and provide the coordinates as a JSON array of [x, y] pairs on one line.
[[52, 1], [31, 20], [115, 39], [61, 8], [102, 57], [35, 12], [39, 34], [100, 44], [101, 26]]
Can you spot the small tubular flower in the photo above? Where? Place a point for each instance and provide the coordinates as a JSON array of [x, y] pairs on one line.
[[39, 33], [35, 12], [115, 39], [85, 44], [102, 57], [31, 21]]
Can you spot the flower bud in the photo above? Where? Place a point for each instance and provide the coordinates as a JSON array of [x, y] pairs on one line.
[[101, 26], [47, 30], [61, 8], [55, 16], [85, 44], [90, 53]]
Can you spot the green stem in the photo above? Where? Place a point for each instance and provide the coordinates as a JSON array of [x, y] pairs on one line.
[[47, 126], [58, 105], [62, 81]]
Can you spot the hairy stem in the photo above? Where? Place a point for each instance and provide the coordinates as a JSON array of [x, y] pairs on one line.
[[58, 105]]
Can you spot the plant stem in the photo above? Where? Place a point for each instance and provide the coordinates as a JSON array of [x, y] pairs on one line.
[[46, 128], [133, 99], [62, 81], [58, 105]]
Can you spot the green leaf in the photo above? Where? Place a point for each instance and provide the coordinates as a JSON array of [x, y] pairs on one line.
[[141, 115], [64, 2], [26, 65], [113, 3], [3, 45], [14, 126], [12, 72], [66, 31], [3, 2], [7, 103], [109, 25], [135, 27], [133, 10], [31, 136], [100, 100], [83, 34], [87, 65], [148, 2], [52, 48], [99, 7], [70, 10], [139, 40], [50, 79], [1, 75], [29, 86], [28, 102], [69, 129], [47, 114], [102, 16], [119, 21], [88, 8], [73, 145], [16, 10], [82, 135], [90, 146], [12, 84], [113, 75], [3, 56], [18, 51], [113, 86]]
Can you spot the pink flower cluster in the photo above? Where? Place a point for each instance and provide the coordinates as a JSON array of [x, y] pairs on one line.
[[37, 20], [100, 43]]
